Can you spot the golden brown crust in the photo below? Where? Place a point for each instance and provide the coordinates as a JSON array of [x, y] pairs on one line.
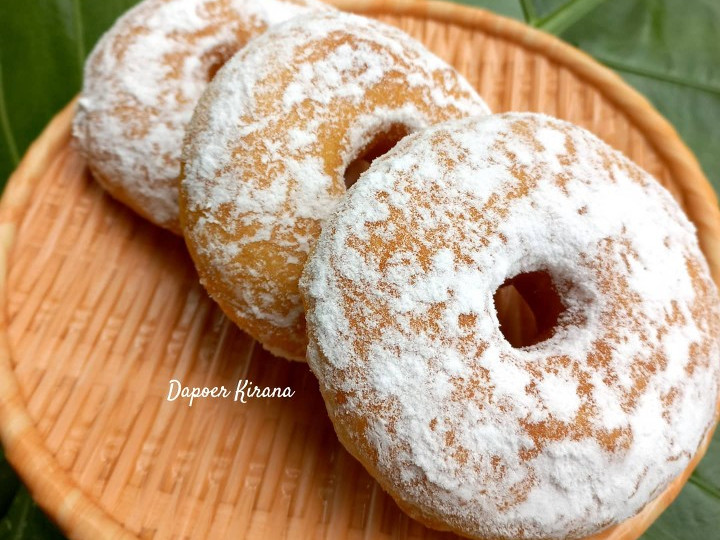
[[141, 83], [269, 145], [598, 414]]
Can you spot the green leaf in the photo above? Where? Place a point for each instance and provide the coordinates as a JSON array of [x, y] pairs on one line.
[[43, 44], [25, 521], [566, 15], [9, 484], [9, 149], [667, 49], [20, 517]]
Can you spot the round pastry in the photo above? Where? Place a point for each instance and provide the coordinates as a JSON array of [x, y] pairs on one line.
[[578, 424], [142, 81], [281, 131]]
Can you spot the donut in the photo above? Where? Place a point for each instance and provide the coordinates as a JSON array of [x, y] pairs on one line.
[[142, 81], [580, 422], [278, 135]]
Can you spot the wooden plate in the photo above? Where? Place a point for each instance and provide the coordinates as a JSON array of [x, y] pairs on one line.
[[102, 310]]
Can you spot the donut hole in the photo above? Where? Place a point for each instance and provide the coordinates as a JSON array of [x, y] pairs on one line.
[[381, 143], [216, 58], [528, 307]]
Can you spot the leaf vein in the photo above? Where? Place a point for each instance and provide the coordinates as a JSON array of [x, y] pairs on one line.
[[665, 77], [566, 15], [704, 486], [528, 10], [5, 123], [21, 521], [79, 29]]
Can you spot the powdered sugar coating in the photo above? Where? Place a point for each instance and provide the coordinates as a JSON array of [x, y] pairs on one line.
[[269, 143], [142, 81], [557, 440]]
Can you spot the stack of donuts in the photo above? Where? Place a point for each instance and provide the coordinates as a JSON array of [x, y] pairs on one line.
[[512, 324]]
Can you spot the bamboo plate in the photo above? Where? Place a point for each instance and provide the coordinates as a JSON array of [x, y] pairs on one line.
[[102, 310]]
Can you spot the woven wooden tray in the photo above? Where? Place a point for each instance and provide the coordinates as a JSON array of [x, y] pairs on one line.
[[102, 310]]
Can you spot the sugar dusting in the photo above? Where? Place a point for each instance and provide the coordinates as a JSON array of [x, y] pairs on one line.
[[269, 144], [142, 81], [557, 440]]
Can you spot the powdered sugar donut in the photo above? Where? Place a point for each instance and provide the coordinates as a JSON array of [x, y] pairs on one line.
[[565, 434], [272, 142], [142, 81]]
